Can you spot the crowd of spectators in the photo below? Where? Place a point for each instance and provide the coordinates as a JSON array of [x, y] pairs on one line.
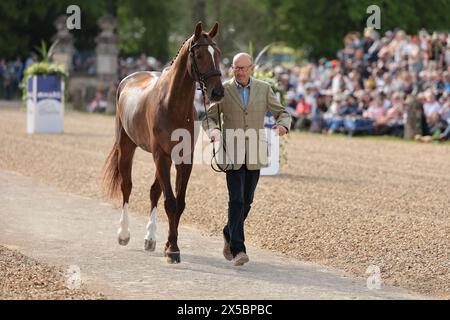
[[367, 87], [364, 90], [11, 73], [128, 65]]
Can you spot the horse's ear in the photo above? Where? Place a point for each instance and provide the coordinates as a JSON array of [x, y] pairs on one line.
[[198, 29], [212, 33]]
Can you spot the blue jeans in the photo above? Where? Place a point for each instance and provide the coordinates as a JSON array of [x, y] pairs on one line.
[[359, 125], [241, 188], [446, 133], [335, 123]]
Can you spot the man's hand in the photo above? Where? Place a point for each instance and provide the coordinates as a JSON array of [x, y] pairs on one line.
[[281, 130], [214, 134]]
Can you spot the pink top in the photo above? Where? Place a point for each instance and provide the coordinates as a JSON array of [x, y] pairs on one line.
[[303, 108], [375, 113]]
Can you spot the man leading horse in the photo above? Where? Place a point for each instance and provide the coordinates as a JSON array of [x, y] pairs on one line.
[[243, 108]]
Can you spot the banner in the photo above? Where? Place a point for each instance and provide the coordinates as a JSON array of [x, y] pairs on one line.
[[273, 142], [45, 104]]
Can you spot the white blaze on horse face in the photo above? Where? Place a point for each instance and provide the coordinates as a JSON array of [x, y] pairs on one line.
[[211, 51], [151, 226], [124, 231]]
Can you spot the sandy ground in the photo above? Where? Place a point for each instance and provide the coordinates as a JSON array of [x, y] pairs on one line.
[[340, 202], [25, 278]]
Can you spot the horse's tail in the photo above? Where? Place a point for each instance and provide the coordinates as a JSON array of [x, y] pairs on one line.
[[111, 174]]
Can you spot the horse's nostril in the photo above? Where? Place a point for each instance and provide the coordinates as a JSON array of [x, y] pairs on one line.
[[217, 93], [216, 96]]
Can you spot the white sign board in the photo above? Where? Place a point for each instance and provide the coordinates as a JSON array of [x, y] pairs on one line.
[[273, 142], [45, 104]]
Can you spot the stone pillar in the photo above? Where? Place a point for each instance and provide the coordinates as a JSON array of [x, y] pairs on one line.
[[64, 49], [107, 50], [107, 63]]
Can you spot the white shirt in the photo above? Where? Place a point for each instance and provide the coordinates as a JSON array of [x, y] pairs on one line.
[[430, 108]]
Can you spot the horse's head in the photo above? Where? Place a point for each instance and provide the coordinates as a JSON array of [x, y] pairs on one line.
[[204, 62]]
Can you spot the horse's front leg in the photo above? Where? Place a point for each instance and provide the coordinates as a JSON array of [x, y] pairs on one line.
[[183, 173], [163, 163], [150, 237]]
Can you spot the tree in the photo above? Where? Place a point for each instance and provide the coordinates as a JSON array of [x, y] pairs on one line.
[[322, 24], [240, 22], [149, 23], [25, 23], [199, 10]]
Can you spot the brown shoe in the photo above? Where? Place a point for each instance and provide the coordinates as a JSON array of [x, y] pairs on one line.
[[226, 250], [240, 259]]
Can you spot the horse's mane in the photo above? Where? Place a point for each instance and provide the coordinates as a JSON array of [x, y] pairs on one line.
[[176, 56]]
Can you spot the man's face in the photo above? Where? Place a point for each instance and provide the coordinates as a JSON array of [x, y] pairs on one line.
[[242, 69]]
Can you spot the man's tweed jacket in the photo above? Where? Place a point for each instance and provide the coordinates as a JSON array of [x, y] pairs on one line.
[[254, 151]]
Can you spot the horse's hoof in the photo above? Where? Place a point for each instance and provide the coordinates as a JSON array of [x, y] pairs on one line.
[[150, 245], [173, 257], [123, 242]]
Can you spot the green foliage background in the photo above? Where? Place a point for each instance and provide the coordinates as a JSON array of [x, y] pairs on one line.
[[158, 27]]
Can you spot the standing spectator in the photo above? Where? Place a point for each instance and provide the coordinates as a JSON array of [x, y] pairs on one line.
[[32, 59], [18, 73], [7, 79]]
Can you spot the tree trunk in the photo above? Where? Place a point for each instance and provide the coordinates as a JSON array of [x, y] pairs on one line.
[[415, 118], [199, 11]]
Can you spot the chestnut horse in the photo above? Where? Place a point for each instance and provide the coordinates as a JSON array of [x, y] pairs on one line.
[[150, 106]]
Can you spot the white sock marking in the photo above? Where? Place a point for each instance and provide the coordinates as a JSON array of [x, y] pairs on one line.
[[151, 226], [124, 231]]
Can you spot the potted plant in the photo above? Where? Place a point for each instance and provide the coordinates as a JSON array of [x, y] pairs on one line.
[[43, 85]]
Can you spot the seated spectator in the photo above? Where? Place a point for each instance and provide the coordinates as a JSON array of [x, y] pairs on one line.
[[447, 82], [318, 123], [445, 116], [99, 103], [432, 110], [335, 121], [291, 101], [377, 113], [303, 114], [395, 115], [291, 105], [349, 107], [354, 123]]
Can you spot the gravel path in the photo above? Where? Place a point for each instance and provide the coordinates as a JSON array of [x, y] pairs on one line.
[[339, 202], [22, 277], [68, 230]]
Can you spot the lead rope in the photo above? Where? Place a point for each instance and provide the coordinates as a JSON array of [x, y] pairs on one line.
[[213, 158]]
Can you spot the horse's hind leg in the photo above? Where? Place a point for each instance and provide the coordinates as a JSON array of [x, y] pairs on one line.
[[126, 153], [150, 237]]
